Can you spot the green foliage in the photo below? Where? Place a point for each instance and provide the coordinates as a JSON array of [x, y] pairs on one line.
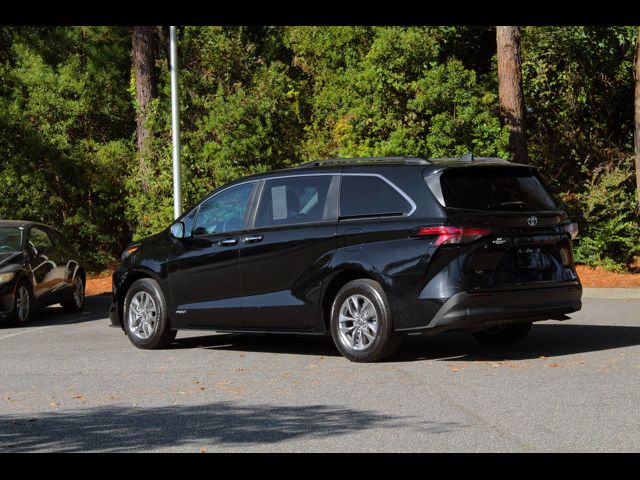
[[253, 99], [66, 123], [382, 91], [609, 230]]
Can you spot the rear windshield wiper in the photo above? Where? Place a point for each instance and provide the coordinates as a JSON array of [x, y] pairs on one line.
[[517, 203]]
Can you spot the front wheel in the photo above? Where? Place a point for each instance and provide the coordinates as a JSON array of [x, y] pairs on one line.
[[145, 315], [503, 335], [22, 304], [361, 324]]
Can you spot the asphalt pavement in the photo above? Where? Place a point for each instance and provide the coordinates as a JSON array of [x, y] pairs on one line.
[[69, 382]]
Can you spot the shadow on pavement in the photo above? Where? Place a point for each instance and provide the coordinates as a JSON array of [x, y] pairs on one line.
[[549, 340], [96, 308], [117, 428]]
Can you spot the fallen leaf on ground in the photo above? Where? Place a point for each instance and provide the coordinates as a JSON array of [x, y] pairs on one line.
[[554, 365], [455, 369], [55, 404]]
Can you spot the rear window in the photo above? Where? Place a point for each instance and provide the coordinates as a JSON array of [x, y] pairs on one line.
[[494, 188], [365, 196]]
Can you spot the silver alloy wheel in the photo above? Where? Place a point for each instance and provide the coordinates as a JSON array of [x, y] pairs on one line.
[[22, 303], [357, 322], [78, 292], [143, 315]]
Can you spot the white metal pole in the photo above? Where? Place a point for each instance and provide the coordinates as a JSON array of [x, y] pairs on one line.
[[175, 125]]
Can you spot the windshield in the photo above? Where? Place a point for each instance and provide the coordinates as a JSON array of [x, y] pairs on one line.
[[10, 239], [495, 188]]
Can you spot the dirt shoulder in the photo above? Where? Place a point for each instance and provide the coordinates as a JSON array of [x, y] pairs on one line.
[[590, 278], [600, 278]]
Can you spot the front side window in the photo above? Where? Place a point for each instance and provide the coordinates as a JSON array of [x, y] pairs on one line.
[[223, 212], [294, 200], [10, 239]]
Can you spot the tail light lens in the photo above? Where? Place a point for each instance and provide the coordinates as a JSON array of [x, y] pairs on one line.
[[571, 229], [447, 235]]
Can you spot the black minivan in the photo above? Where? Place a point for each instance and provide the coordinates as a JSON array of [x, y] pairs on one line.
[[368, 250]]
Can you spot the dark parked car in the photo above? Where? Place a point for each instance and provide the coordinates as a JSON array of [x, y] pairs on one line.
[[38, 268], [368, 250]]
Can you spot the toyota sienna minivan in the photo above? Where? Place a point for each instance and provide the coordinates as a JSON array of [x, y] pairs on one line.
[[367, 250]]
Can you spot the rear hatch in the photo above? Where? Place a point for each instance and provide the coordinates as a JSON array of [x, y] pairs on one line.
[[523, 239]]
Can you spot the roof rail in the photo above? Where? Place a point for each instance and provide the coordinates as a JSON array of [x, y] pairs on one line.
[[468, 157], [343, 161]]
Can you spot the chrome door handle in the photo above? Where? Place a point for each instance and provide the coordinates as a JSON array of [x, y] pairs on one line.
[[252, 239], [227, 242]]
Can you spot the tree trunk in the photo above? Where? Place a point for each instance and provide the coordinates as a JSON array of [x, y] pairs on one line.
[[637, 120], [510, 89], [145, 47]]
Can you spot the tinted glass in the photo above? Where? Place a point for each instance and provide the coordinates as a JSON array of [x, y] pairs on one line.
[[10, 239], [294, 200], [364, 196], [60, 240], [224, 212], [499, 188], [188, 221], [39, 239]]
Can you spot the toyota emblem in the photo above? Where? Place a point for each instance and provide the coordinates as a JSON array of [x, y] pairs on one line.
[[532, 221]]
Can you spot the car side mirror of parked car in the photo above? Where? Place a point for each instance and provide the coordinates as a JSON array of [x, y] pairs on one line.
[[177, 230]]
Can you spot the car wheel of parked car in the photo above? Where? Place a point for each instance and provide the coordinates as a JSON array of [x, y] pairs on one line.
[[22, 304], [76, 303], [361, 323], [145, 315], [503, 335]]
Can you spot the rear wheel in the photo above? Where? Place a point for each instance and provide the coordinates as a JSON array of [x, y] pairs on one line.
[[76, 303], [361, 323], [503, 335], [145, 315]]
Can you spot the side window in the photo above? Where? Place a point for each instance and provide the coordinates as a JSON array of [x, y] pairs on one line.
[[369, 196], [59, 241], [188, 221], [293, 200], [224, 212], [39, 239]]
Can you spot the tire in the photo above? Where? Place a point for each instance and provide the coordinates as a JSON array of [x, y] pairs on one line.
[[145, 315], [360, 300], [23, 299], [76, 302], [504, 335]]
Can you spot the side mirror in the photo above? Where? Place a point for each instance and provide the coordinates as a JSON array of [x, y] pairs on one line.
[[177, 230]]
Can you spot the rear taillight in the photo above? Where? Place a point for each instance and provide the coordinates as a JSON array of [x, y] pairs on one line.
[[571, 229], [448, 235]]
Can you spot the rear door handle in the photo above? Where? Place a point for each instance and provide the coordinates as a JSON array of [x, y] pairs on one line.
[[227, 242], [252, 239]]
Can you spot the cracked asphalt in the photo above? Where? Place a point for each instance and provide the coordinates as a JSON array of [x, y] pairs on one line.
[[70, 383]]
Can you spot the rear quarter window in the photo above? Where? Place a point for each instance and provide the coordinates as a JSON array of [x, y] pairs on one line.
[[494, 188], [370, 196]]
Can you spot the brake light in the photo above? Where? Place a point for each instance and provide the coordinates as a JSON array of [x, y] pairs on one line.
[[448, 235], [571, 229]]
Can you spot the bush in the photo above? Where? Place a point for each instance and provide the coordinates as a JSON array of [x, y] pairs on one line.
[[605, 211]]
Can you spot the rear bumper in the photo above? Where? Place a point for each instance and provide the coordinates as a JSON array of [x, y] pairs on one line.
[[475, 311]]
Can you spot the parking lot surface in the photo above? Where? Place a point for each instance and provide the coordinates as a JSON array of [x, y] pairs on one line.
[[68, 382]]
